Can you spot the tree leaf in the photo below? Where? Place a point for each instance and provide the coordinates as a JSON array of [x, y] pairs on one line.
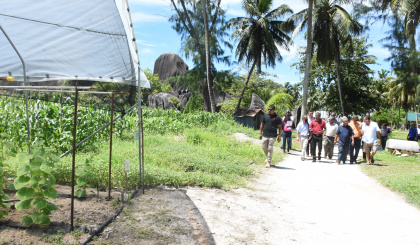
[[40, 218], [9, 144], [23, 205], [23, 170], [51, 178], [27, 220], [39, 203], [50, 193], [25, 193], [6, 197], [21, 181], [80, 172]]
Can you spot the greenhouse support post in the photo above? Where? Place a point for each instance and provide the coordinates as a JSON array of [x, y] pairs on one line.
[[73, 164], [139, 125], [110, 147], [25, 83], [142, 149]]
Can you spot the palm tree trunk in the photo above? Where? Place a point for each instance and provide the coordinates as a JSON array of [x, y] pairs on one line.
[[246, 84], [209, 80], [392, 115], [337, 73], [414, 64], [308, 60]]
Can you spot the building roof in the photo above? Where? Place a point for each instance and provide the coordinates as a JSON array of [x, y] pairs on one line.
[[247, 112]]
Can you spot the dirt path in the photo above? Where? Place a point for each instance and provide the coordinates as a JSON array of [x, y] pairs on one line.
[[298, 202]]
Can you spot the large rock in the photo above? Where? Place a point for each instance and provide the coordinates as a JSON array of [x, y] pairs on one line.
[[169, 65], [257, 103], [162, 100]]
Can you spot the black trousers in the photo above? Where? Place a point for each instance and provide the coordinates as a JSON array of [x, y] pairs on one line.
[[316, 140]]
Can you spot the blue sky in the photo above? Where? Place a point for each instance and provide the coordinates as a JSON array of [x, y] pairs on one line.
[[155, 36]]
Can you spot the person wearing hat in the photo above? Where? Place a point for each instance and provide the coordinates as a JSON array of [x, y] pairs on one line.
[[268, 132], [343, 136]]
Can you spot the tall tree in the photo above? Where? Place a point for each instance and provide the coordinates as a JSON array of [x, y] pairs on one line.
[[305, 19], [197, 23], [260, 35]]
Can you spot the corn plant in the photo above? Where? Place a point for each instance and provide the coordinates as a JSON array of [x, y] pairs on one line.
[[5, 147], [35, 184]]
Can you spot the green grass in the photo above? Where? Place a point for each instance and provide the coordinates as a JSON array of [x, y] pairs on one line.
[[203, 156], [400, 174]]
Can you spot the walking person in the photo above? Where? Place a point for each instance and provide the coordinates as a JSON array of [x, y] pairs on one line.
[[310, 119], [287, 126], [333, 115], [357, 127], [268, 132], [371, 133], [344, 136], [418, 132], [302, 135], [317, 128], [412, 134], [329, 136], [384, 135]]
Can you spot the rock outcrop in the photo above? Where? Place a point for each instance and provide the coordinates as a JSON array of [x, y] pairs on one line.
[[162, 100], [169, 65], [257, 103]]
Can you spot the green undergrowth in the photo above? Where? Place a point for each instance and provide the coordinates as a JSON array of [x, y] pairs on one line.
[[400, 174], [201, 156]]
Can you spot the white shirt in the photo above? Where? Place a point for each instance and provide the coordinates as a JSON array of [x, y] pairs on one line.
[[331, 129], [369, 132], [303, 128]]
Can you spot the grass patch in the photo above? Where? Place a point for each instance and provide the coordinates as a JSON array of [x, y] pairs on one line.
[[202, 156], [400, 174]]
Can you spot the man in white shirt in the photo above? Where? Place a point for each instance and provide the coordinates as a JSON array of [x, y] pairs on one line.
[[329, 136], [302, 135], [371, 133]]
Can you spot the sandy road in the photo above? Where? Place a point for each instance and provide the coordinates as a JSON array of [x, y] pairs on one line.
[[297, 202]]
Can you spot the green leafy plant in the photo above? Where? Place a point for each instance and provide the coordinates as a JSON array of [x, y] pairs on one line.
[[83, 176], [35, 182], [5, 147]]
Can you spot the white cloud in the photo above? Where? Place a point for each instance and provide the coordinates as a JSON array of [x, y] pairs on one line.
[[145, 43], [291, 54], [143, 17], [146, 51]]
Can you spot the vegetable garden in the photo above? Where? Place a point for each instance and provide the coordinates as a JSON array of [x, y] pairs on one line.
[[180, 149]]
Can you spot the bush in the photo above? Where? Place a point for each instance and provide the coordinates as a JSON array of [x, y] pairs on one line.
[[229, 106]]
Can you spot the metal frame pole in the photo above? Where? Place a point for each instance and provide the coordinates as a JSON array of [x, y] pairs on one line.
[[25, 83], [110, 147], [139, 125], [73, 165]]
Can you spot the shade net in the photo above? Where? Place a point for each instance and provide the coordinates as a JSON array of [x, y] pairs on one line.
[[69, 40]]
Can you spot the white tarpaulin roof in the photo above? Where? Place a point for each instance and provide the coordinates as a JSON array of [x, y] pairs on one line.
[[69, 40]]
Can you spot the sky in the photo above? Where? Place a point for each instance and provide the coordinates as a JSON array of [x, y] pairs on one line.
[[155, 37]]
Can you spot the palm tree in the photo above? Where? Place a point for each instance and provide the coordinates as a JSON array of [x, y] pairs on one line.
[[333, 26], [260, 35], [307, 17]]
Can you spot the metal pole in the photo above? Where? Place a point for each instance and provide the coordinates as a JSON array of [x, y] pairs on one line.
[[110, 147], [25, 83], [73, 165], [142, 148], [139, 124]]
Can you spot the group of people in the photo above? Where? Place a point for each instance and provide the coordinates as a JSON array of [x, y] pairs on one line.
[[313, 133]]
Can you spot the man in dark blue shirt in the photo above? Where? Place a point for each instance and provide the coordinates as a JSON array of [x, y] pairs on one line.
[[268, 132], [342, 136]]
